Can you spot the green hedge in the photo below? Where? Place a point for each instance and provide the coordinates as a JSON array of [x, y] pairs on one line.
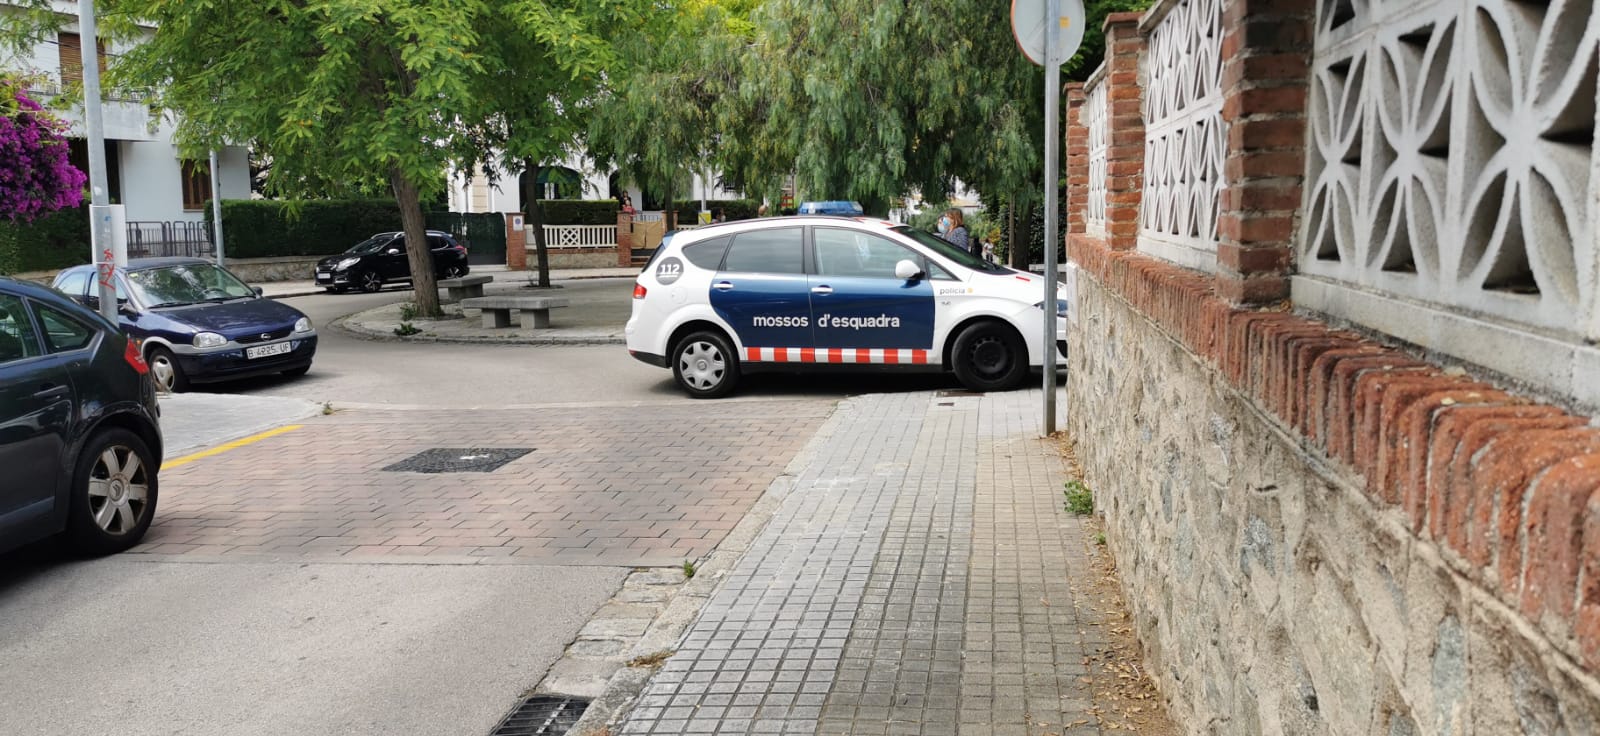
[[732, 209], [263, 228], [57, 240], [579, 211]]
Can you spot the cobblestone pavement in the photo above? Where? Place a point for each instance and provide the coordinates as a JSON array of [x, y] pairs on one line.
[[918, 579], [619, 485]]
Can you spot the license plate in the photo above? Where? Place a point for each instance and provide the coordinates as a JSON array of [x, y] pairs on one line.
[[324, 275], [267, 351]]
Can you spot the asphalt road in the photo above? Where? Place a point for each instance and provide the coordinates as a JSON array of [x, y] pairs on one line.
[[165, 644], [354, 371]]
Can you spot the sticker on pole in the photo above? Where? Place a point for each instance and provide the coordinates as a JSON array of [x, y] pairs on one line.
[[1030, 26]]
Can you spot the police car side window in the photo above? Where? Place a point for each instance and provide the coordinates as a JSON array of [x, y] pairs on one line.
[[766, 251], [707, 254], [857, 254]]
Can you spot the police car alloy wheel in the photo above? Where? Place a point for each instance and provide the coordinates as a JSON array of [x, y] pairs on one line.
[[989, 357], [705, 365]]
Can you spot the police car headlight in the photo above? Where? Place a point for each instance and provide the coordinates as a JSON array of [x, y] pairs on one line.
[[1061, 307], [209, 340]]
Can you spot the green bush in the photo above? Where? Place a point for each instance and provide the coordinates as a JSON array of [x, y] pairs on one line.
[[261, 228], [56, 240], [579, 211], [732, 209]]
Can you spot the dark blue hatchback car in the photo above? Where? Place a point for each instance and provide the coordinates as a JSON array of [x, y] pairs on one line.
[[197, 322]]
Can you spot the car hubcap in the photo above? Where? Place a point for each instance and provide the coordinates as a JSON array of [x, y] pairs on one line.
[[702, 365], [989, 357], [453, 272], [371, 282], [119, 490], [164, 371]]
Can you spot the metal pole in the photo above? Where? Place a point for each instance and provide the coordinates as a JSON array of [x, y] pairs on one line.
[[102, 251], [1052, 165], [216, 203]]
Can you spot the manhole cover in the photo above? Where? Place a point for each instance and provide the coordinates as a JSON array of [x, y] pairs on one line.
[[957, 392], [542, 715], [459, 460]]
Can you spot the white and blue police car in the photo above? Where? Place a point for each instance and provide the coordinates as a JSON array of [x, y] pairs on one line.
[[808, 292]]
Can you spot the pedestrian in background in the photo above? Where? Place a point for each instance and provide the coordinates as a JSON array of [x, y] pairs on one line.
[[953, 228]]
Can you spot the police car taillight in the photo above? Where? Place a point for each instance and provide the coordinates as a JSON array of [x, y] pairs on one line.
[[638, 291]]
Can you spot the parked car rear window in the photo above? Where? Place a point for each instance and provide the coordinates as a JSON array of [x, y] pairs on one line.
[[707, 253], [766, 251], [63, 333], [74, 284], [16, 332]]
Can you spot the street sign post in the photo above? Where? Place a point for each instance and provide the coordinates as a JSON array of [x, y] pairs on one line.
[[1049, 33], [108, 247]]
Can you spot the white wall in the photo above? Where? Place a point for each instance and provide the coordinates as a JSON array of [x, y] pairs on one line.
[[152, 180]]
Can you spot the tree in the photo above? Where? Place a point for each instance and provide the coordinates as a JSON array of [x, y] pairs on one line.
[[539, 84], [338, 90], [655, 119]]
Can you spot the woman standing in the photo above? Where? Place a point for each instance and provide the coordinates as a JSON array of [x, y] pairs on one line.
[[953, 228]]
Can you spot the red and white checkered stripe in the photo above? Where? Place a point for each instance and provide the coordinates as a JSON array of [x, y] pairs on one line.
[[889, 356]]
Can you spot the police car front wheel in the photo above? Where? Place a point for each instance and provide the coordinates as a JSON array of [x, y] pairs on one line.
[[705, 365], [989, 357]]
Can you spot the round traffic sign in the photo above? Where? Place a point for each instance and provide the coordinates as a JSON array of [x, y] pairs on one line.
[[1028, 24]]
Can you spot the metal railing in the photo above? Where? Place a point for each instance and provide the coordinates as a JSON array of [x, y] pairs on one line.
[[148, 239]]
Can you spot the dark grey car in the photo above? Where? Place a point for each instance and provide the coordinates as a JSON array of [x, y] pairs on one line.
[[80, 443]]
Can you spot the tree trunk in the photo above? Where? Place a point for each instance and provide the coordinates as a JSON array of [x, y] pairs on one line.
[[1018, 250], [418, 252], [535, 214]]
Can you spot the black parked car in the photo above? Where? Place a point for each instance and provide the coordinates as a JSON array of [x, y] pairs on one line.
[[80, 446], [381, 259], [197, 322]]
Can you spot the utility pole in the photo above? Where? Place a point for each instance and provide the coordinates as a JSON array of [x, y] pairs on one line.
[[1052, 175], [216, 203], [108, 224]]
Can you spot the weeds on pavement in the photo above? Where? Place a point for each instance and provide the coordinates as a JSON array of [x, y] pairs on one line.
[[408, 311], [406, 329], [688, 569], [1080, 500]]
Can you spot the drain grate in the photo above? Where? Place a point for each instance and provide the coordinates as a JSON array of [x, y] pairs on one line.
[[542, 715], [459, 460], [957, 392]]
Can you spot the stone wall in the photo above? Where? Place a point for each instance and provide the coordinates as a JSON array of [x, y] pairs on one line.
[[1274, 593], [563, 258]]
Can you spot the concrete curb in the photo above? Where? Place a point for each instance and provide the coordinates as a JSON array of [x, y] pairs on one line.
[[354, 325], [627, 672]]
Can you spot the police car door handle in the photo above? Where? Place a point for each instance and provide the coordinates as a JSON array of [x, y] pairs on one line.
[[822, 289], [722, 286]]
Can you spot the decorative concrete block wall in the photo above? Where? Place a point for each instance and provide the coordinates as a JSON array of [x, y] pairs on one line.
[[1323, 528]]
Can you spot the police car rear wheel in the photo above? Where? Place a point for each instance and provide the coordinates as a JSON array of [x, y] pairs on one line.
[[989, 357], [705, 365]]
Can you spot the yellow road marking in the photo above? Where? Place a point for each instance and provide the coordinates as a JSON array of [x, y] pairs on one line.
[[219, 449]]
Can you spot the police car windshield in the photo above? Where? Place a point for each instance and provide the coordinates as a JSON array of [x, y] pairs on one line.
[[944, 248]]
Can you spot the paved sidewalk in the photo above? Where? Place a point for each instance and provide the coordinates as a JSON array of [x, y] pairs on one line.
[[597, 311], [921, 577]]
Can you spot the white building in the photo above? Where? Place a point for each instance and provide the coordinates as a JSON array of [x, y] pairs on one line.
[[573, 178], [144, 172]]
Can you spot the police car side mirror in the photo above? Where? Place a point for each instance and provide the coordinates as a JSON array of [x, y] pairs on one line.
[[907, 270]]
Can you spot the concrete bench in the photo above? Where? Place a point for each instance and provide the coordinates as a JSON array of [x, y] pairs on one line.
[[497, 309], [463, 287]]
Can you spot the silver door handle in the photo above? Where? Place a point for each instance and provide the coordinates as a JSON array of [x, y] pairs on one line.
[[722, 286], [822, 289]]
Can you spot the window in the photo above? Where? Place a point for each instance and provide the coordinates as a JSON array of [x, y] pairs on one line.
[[196, 185], [707, 253], [852, 253], [189, 283], [63, 333], [70, 53], [74, 284], [766, 251], [16, 332]]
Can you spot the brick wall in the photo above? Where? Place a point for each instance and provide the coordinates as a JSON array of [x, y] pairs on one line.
[[1368, 541]]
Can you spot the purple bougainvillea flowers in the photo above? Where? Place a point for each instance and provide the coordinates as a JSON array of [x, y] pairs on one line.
[[36, 177]]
